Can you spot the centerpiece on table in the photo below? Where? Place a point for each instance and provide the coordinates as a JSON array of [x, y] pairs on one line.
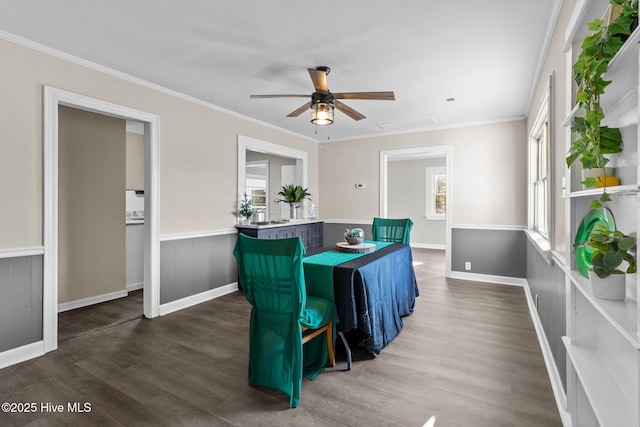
[[354, 243], [355, 236]]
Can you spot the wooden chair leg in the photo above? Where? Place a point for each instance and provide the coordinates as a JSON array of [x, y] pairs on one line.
[[332, 354], [329, 330]]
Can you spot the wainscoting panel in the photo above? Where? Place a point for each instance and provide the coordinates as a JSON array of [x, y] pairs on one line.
[[20, 301], [496, 252], [191, 266], [547, 282], [333, 232]]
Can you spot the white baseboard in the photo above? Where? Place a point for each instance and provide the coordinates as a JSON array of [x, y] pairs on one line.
[[135, 286], [552, 368], [71, 305], [488, 278], [192, 300], [21, 354]]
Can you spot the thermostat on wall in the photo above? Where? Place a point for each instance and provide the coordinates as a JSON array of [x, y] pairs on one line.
[[360, 185]]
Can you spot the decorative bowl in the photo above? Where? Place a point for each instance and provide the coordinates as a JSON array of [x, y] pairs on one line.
[[355, 236]]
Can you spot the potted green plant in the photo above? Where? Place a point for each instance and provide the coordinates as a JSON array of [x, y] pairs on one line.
[[595, 141], [293, 194], [246, 208], [612, 248]]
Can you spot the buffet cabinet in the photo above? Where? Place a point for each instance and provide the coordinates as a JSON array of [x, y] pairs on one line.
[[310, 232]]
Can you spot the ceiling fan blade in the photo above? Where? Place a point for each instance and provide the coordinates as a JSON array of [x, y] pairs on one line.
[[384, 96], [348, 110], [278, 96], [319, 78], [300, 110]]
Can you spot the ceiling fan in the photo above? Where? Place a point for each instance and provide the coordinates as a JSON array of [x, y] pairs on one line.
[[323, 101]]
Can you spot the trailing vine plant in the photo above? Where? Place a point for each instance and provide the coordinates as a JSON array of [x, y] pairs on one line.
[[595, 141]]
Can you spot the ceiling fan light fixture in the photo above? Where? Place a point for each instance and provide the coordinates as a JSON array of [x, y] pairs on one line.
[[322, 113]]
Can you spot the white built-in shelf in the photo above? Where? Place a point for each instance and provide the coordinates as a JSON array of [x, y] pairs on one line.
[[567, 122], [613, 191], [609, 402], [620, 100], [603, 342], [622, 315], [626, 59], [624, 112], [622, 94], [586, 12]]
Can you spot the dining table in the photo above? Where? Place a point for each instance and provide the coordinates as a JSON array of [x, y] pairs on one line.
[[372, 291]]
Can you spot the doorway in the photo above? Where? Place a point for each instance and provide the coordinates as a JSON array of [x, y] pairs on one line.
[[425, 159], [100, 249], [53, 98]]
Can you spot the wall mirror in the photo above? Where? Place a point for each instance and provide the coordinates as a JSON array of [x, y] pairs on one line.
[[263, 168], [257, 185]]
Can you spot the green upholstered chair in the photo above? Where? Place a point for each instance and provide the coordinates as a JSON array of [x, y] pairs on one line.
[[283, 317], [392, 230]]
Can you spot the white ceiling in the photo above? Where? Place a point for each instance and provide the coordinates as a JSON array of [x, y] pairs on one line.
[[485, 54]]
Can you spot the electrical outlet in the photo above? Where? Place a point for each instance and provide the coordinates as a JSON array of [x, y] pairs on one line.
[[467, 266]]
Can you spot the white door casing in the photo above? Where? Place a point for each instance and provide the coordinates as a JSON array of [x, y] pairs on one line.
[[417, 153], [52, 98]]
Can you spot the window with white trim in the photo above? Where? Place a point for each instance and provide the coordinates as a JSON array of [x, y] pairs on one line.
[[539, 173], [436, 193]]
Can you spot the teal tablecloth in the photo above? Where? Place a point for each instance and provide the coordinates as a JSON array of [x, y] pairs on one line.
[[372, 293], [318, 270]]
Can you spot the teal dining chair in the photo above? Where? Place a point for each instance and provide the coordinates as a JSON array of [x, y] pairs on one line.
[[391, 230], [283, 316]]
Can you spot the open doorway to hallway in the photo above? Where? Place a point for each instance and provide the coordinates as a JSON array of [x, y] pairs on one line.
[[416, 183], [54, 98], [100, 221]]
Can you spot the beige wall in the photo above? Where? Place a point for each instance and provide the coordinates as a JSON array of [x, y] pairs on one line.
[[135, 161], [198, 146], [488, 169], [556, 62], [91, 205]]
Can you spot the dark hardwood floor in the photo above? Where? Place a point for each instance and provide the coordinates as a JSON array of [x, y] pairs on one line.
[[87, 320], [468, 355]]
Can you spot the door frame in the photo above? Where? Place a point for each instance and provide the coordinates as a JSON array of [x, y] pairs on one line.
[[52, 98], [419, 153]]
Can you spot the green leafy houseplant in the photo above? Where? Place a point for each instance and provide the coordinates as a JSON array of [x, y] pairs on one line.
[[595, 141], [246, 207], [293, 194], [611, 249]]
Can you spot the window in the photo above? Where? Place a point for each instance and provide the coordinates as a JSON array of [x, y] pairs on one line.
[[436, 193], [539, 173]]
